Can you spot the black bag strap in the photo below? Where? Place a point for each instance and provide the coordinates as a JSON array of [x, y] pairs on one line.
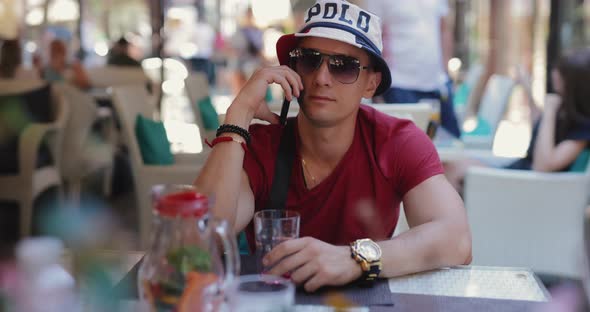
[[283, 167]]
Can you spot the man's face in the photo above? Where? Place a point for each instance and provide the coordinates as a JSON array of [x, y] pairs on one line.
[[326, 99]]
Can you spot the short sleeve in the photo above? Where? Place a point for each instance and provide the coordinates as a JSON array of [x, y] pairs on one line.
[[418, 160], [405, 154]]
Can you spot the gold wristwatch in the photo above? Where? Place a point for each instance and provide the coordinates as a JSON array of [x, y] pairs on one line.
[[367, 253]]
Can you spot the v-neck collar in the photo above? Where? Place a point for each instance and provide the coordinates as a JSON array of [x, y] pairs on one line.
[[299, 175]]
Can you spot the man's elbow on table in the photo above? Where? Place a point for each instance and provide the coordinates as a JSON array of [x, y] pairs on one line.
[[451, 245], [465, 249], [459, 233], [456, 248], [462, 246]]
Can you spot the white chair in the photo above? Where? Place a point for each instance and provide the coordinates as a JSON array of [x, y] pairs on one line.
[[130, 101], [109, 76], [419, 113], [31, 181], [402, 222], [81, 153], [197, 88], [527, 219], [493, 106]]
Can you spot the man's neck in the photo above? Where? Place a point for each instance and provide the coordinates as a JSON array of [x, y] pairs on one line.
[[326, 145]]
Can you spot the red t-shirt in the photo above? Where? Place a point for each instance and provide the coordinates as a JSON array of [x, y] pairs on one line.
[[387, 158]]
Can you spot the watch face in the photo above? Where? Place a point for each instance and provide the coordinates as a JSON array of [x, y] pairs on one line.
[[370, 250]]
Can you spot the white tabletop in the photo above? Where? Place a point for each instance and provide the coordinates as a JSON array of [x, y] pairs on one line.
[[474, 281]]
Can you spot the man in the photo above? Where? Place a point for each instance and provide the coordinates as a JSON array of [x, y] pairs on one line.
[[119, 55], [58, 68], [353, 165], [418, 45]]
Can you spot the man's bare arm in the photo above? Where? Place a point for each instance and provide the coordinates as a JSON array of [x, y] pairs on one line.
[[222, 175], [439, 233], [439, 237]]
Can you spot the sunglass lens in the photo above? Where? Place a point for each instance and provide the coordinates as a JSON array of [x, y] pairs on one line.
[[344, 69], [308, 62]]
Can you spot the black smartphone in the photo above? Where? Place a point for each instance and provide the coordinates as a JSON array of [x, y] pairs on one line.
[[285, 108], [284, 111]]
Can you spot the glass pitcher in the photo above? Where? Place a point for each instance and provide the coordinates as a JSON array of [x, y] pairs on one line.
[[184, 256]]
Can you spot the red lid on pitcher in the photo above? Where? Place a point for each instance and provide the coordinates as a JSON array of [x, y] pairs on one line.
[[183, 204]]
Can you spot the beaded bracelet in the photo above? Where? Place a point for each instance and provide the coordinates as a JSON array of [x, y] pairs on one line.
[[234, 129]]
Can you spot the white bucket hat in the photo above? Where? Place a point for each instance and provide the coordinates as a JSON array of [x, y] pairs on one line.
[[345, 22]]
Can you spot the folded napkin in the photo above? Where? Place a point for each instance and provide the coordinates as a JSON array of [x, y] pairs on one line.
[[377, 295]]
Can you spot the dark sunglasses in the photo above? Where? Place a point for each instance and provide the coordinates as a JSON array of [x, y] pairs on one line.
[[343, 68]]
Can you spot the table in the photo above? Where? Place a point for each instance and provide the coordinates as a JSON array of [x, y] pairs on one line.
[[459, 153], [474, 282], [461, 288], [451, 149]]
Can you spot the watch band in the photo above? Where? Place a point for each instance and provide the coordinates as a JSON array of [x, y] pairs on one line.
[[370, 270], [373, 272]]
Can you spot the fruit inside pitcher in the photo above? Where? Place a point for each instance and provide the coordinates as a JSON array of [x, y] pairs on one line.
[[189, 273]]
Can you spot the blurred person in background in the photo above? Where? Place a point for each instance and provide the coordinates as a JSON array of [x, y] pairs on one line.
[[11, 59], [247, 48], [119, 54], [560, 138], [203, 38], [37, 63], [58, 68], [417, 46]]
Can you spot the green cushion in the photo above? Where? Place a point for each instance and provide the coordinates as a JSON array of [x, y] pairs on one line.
[[153, 142], [17, 112], [581, 162], [482, 129], [208, 113], [461, 96], [13, 116]]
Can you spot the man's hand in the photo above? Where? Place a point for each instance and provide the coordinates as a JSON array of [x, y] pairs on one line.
[[250, 101], [313, 263]]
